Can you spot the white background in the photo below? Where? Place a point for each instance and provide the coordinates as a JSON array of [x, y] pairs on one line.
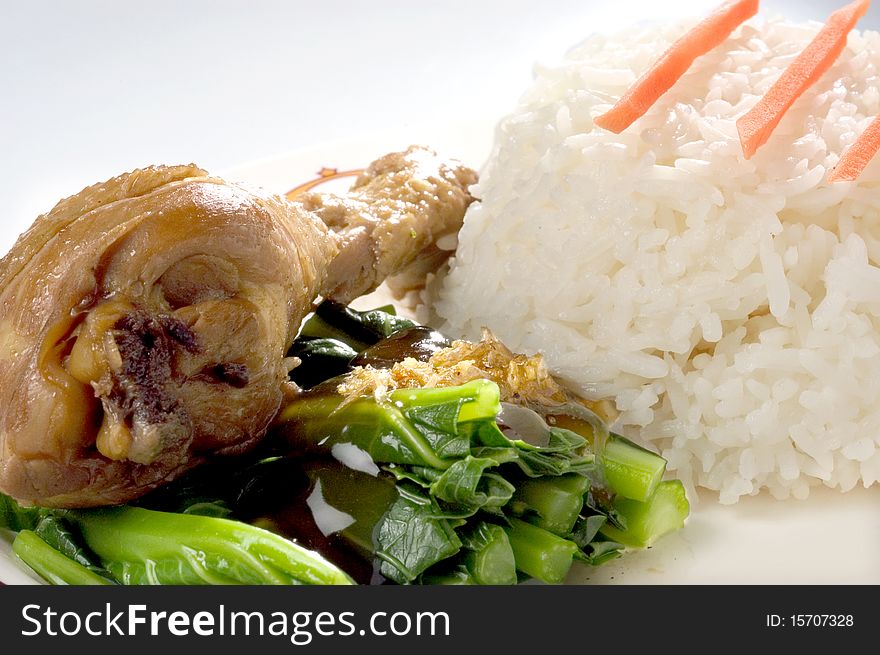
[[92, 88]]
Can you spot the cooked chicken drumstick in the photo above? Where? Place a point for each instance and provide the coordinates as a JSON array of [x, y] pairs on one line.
[[144, 322], [382, 223]]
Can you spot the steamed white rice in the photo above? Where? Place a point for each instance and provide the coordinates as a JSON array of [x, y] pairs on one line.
[[730, 308]]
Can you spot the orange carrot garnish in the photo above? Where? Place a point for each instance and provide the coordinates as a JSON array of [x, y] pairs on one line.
[[854, 160], [672, 64], [756, 125]]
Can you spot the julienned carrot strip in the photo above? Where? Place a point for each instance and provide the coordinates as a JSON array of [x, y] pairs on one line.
[[756, 125], [854, 160], [672, 64]]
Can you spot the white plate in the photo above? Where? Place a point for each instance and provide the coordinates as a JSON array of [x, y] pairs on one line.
[[830, 538]]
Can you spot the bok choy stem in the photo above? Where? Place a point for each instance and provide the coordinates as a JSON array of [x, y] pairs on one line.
[[646, 522], [632, 471], [51, 564], [140, 546], [557, 501], [489, 558], [539, 553], [387, 429]]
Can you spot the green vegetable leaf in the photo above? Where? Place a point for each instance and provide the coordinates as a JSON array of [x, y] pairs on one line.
[[586, 529], [321, 359], [141, 546], [50, 564], [383, 323], [466, 484], [15, 517], [53, 530], [486, 434], [410, 538], [446, 573], [439, 425], [420, 475], [57, 533], [599, 552], [489, 558], [600, 503], [355, 328]]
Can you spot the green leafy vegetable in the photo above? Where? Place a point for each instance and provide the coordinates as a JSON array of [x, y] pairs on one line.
[[646, 522], [53, 530], [476, 504], [140, 546], [632, 471], [556, 502], [404, 429], [15, 517], [467, 484], [539, 553], [356, 329], [429, 486], [489, 557], [57, 531], [457, 473], [320, 359], [455, 574], [412, 536], [51, 564], [134, 545]]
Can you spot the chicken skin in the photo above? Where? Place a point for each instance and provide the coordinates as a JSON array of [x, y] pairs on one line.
[[144, 322]]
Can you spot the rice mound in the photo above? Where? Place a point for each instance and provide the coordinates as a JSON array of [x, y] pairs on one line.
[[730, 308]]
